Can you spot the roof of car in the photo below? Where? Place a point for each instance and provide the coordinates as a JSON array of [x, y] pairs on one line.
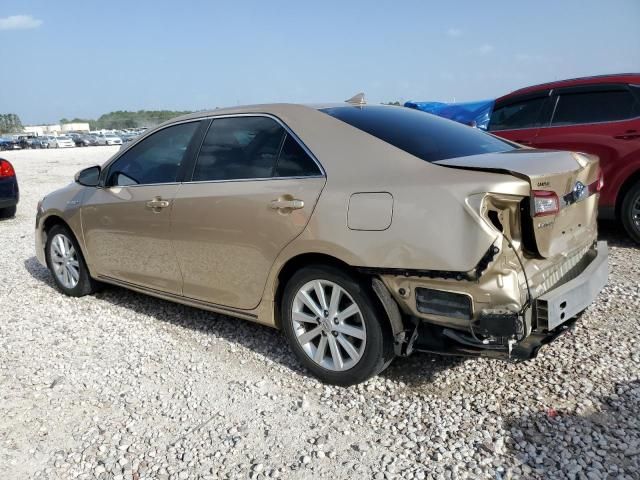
[[595, 79], [271, 108]]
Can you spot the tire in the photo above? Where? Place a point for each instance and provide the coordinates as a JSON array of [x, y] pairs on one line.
[[630, 212], [372, 348], [8, 212], [84, 285]]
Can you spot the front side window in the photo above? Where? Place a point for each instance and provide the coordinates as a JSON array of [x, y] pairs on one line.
[[524, 114], [239, 148], [594, 107], [156, 159]]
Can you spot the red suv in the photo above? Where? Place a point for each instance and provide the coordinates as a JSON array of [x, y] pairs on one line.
[[598, 115]]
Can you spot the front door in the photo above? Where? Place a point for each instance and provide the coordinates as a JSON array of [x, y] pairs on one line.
[[126, 223], [252, 192]]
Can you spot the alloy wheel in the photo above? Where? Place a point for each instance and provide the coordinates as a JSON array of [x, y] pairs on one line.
[[635, 212], [64, 261], [328, 325]]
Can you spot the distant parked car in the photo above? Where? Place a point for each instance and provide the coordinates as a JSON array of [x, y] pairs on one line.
[[85, 140], [26, 141], [42, 142], [128, 137], [9, 193], [7, 143], [61, 142], [598, 115], [109, 140]]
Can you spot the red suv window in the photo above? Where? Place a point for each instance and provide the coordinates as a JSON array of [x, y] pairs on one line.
[[595, 106]]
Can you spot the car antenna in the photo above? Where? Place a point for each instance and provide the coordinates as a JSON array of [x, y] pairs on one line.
[[357, 99]]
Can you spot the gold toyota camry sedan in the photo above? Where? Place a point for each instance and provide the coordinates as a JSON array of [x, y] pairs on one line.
[[362, 231]]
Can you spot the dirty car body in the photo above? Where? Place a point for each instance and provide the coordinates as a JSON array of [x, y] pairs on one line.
[[362, 231]]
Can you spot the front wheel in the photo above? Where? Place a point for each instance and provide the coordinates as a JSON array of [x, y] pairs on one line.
[[630, 212], [66, 263], [335, 326]]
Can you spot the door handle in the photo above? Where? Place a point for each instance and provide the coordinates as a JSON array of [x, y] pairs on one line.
[[293, 204], [523, 142], [157, 203]]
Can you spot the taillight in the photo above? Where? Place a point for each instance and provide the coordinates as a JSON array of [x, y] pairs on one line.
[[545, 203], [6, 169]]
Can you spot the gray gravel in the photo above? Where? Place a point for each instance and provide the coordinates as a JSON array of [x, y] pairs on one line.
[[123, 386]]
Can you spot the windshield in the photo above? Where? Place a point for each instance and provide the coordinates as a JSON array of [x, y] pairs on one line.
[[423, 135]]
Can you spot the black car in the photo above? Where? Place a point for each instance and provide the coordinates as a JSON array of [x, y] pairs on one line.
[[41, 142], [9, 193], [27, 141], [83, 140]]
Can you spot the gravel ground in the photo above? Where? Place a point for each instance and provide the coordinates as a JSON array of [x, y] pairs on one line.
[[120, 385]]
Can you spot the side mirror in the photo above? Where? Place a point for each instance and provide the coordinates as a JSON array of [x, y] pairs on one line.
[[89, 177]]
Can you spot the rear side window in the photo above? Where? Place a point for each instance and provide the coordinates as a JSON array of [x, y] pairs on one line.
[[239, 148], [421, 134], [594, 107], [524, 114], [294, 161]]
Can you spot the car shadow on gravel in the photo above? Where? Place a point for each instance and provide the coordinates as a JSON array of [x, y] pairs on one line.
[[259, 338], [417, 369], [614, 234], [604, 436]]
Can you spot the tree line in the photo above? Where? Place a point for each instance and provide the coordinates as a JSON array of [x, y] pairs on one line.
[[125, 119], [10, 123]]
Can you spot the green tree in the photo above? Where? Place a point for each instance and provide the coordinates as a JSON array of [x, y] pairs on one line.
[[141, 118], [10, 123]]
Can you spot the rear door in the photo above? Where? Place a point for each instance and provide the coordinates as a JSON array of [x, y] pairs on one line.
[[252, 191], [597, 119], [519, 118]]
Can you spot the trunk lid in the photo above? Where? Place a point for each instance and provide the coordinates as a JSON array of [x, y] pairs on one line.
[[573, 177]]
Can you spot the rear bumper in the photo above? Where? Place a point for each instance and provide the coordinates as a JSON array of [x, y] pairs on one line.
[[551, 314], [9, 192], [8, 202], [566, 301]]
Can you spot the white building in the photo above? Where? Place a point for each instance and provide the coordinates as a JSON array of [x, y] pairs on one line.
[[40, 130], [43, 129], [75, 127]]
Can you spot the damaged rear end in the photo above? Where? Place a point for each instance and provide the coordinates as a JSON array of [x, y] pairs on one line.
[[543, 269]]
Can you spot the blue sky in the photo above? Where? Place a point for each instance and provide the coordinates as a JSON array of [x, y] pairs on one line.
[[84, 58]]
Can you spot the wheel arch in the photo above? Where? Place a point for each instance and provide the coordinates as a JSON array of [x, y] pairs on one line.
[[297, 262], [294, 264], [51, 221], [628, 184]]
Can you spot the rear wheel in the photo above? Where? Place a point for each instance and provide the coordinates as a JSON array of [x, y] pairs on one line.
[[334, 326], [66, 263], [630, 212]]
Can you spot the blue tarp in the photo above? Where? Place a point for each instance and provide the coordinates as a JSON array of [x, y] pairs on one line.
[[476, 114]]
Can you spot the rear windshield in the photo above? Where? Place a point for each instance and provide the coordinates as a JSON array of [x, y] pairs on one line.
[[421, 134]]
